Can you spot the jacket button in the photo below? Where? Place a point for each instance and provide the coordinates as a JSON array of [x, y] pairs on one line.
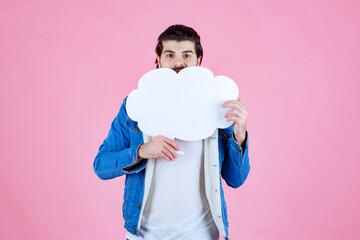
[[139, 206], [238, 149], [134, 231], [137, 128]]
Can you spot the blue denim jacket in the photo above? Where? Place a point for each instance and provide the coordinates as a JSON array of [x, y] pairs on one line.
[[120, 150]]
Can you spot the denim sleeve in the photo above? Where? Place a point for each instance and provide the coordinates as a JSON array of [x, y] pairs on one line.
[[115, 153], [236, 166]]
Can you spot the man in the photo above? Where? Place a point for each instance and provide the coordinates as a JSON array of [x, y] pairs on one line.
[[171, 196]]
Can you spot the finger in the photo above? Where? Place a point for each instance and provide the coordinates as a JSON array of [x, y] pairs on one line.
[[241, 101], [233, 118], [167, 154], [240, 114], [166, 158], [233, 111], [228, 102], [238, 119], [174, 144], [232, 105], [235, 104], [170, 149]]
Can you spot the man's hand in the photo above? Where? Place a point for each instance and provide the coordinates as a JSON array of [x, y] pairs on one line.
[[238, 114], [160, 146]]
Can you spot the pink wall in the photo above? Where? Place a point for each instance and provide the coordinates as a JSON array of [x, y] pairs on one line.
[[66, 66]]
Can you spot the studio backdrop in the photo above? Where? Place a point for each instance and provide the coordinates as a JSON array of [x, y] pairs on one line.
[[66, 66]]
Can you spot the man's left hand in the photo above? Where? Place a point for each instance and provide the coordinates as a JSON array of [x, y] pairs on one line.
[[238, 114]]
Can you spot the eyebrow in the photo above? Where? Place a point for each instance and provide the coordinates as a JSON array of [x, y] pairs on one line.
[[186, 51]]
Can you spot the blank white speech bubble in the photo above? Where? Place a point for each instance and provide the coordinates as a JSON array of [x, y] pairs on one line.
[[185, 105]]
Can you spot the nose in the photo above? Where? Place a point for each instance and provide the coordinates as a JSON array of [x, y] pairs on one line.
[[179, 62]]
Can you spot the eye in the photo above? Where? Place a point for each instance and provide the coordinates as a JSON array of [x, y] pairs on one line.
[[187, 55], [169, 55]]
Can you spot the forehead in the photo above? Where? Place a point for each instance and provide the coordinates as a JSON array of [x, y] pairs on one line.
[[178, 46]]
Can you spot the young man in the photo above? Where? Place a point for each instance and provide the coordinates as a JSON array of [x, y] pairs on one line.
[[170, 196]]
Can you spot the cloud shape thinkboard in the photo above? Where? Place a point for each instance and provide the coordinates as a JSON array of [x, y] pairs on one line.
[[185, 105]]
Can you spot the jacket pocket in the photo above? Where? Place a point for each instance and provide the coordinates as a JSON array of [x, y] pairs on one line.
[[226, 133], [132, 125]]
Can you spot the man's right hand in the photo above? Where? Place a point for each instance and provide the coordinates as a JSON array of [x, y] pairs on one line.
[[159, 146]]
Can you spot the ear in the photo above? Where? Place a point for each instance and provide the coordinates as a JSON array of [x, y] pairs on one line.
[[158, 59], [198, 61]]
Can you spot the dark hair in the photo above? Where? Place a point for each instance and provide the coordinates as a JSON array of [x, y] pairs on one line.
[[179, 33]]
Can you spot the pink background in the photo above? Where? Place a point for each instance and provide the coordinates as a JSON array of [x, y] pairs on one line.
[[65, 67]]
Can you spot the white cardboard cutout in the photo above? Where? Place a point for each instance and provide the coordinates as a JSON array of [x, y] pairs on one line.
[[185, 105]]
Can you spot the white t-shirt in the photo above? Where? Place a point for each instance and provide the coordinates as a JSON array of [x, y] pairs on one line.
[[177, 207]]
